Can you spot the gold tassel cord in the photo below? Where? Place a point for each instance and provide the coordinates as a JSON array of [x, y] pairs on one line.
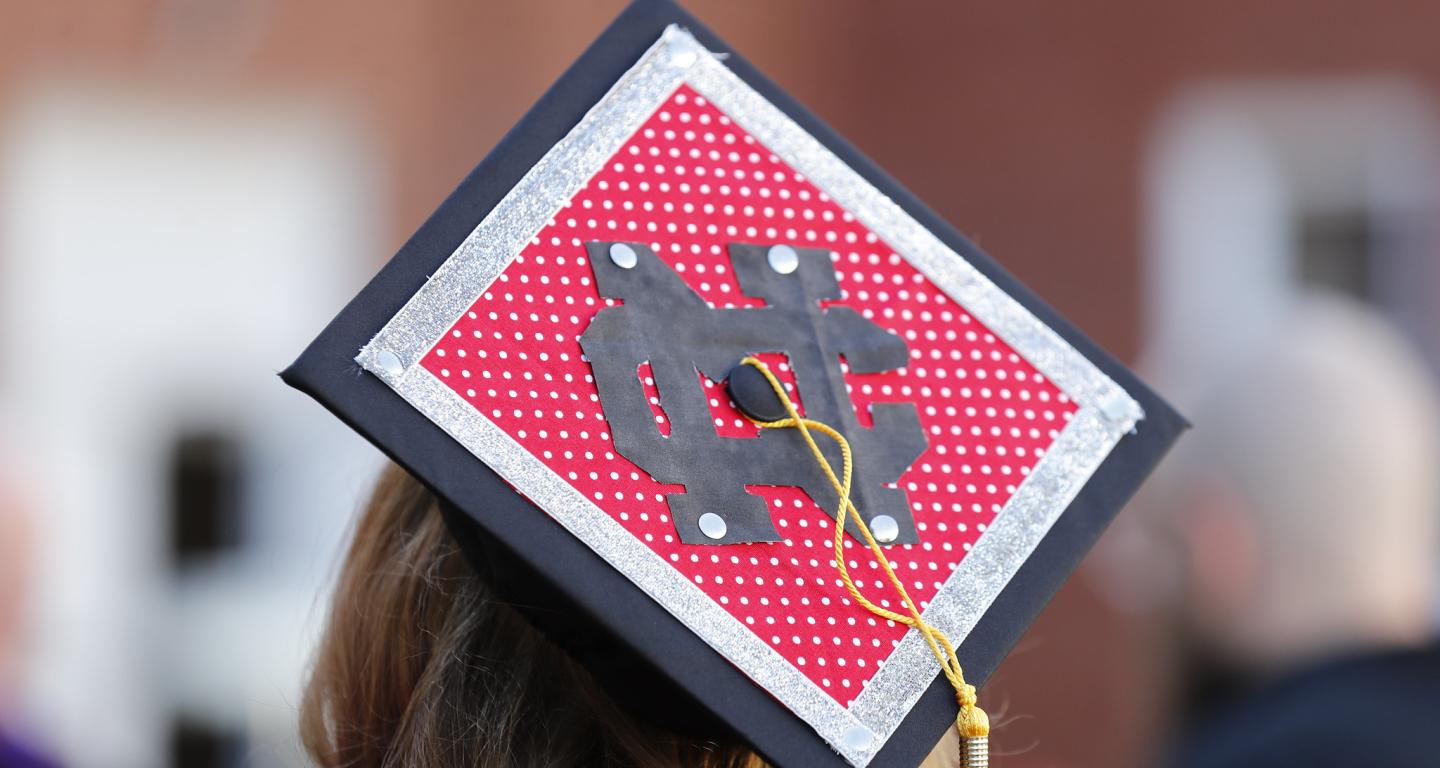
[[972, 722]]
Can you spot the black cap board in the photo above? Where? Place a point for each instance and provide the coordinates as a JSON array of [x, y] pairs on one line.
[[560, 352]]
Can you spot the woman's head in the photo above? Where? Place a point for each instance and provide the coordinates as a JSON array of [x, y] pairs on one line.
[[422, 666]]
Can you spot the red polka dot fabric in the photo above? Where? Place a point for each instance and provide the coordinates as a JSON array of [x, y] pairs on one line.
[[689, 183]]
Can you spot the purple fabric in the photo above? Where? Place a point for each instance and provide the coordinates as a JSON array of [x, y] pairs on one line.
[[13, 754]]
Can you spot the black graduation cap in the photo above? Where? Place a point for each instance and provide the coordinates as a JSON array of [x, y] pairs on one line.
[[575, 350]]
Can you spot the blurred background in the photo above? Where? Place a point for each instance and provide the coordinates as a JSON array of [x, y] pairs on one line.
[[190, 189]]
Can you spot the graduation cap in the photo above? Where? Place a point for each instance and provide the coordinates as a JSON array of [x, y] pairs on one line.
[[673, 342]]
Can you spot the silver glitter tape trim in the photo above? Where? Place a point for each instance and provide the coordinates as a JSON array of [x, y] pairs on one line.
[[989, 565], [532, 204], [1001, 313], [592, 525], [1106, 411]]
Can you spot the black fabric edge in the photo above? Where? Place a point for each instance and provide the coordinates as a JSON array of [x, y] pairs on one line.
[[327, 372]]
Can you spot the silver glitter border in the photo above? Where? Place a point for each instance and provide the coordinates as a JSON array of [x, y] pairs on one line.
[[1105, 411]]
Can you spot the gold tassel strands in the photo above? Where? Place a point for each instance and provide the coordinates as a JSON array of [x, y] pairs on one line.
[[974, 727], [972, 722]]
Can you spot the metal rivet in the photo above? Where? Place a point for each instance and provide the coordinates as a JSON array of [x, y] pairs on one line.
[[783, 259], [712, 525], [624, 256], [858, 738], [884, 528], [389, 362]]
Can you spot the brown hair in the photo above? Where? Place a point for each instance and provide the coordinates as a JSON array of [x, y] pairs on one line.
[[421, 666]]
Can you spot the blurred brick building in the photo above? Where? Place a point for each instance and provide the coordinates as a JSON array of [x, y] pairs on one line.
[[1040, 130]]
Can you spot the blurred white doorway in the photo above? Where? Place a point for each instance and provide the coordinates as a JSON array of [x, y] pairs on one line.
[[162, 255], [1258, 191]]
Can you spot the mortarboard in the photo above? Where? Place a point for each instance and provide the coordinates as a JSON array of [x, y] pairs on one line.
[[591, 351]]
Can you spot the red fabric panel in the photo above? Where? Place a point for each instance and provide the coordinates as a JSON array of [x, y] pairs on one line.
[[689, 182]]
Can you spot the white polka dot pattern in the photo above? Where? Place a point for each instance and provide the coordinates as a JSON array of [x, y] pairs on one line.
[[688, 183]]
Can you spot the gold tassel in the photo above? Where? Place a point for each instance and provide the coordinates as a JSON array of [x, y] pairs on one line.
[[972, 722], [974, 727]]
